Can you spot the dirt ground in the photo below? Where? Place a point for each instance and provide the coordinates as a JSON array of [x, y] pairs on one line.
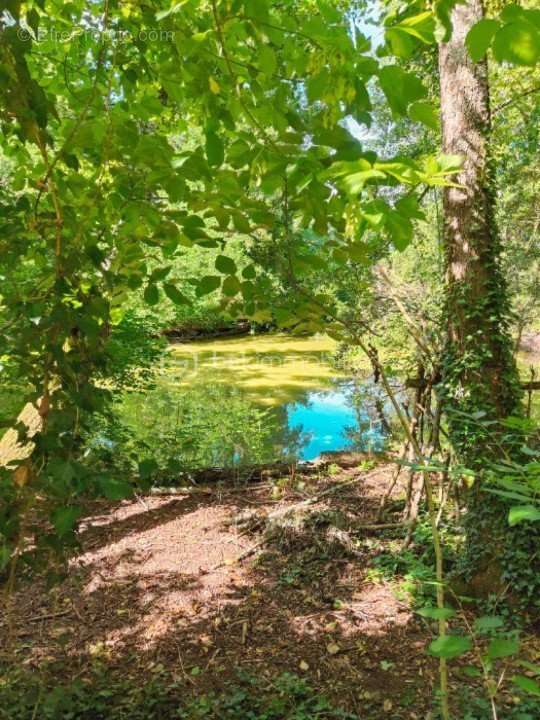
[[192, 583], [530, 344]]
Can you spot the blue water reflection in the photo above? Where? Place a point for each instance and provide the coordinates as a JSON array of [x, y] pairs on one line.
[[332, 421]]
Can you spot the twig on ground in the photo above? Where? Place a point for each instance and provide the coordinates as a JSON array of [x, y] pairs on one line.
[[234, 561], [49, 616]]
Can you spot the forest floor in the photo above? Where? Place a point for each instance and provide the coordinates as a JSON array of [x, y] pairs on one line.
[[222, 586], [530, 346]]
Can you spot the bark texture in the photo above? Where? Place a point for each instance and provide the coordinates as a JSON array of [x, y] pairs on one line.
[[480, 372]]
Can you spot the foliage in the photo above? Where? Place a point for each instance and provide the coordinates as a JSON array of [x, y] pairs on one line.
[[142, 132], [494, 649], [97, 697], [199, 427], [519, 480], [412, 568], [514, 37], [147, 135], [134, 351]]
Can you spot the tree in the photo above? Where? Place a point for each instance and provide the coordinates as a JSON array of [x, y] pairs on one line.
[[147, 129], [480, 370], [480, 377]]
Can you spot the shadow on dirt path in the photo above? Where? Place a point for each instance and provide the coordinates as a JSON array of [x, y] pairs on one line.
[[159, 583]]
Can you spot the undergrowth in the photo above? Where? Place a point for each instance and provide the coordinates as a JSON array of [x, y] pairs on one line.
[[288, 697]]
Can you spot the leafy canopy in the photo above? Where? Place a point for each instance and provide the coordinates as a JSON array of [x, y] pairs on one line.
[[132, 132]]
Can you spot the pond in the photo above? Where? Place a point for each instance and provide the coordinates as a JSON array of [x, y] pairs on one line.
[[254, 399]]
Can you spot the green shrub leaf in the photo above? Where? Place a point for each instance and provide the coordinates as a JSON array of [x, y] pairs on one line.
[[502, 647], [225, 265], [528, 684], [517, 43], [487, 623], [522, 513], [437, 613], [450, 646], [480, 36]]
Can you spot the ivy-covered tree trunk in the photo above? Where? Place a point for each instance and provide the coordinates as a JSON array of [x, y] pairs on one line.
[[480, 369], [480, 378]]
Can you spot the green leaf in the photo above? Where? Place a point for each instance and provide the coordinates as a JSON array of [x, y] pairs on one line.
[[480, 36], [438, 170], [509, 495], [115, 489], [174, 294], [449, 163], [160, 273], [225, 265], [522, 513], [358, 252], [400, 229], [194, 227], [248, 290], [262, 316], [421, 26], [424, 112], [530, 666], [32, 18], [249, 272], [409, 207], [502, 647], [450, 646], [64, 519], [151, 295], [528, 684], [443, 11], [267, 60], [517, 43], [175, 7], [355, 182], [511, 12], [532, 16], [215, 150], [5, 555], [147, 468], [401, 88], [437, 613], [403, 36], [401, 43], [59, 469], [241, 223], [231, 286], [487, 623], [208, 284], [354, 174]]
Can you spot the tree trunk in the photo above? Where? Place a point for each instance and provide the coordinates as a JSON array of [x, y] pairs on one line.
[[479, 372]]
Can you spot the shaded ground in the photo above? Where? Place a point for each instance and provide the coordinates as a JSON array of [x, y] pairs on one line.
[[158, 583], [167, 583]]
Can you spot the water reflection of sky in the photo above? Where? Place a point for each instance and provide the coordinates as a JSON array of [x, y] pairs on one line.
[[328, 421]]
